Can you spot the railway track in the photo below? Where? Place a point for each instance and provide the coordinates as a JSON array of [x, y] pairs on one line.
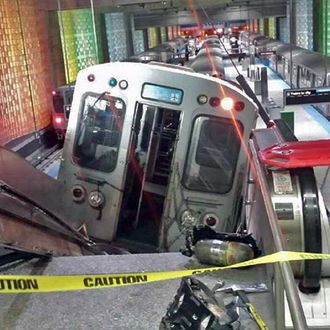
[[49, 159]]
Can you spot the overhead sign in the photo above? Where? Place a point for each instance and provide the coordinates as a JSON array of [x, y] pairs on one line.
[[267, 53], [162, 93], [306, 96]]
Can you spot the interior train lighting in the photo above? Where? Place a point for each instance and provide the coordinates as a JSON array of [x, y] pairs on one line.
[[202, 99], [214, 102], [227, 103], [113, 82], [91, 77]]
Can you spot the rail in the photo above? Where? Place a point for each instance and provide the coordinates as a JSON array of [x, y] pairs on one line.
[[283, 273]]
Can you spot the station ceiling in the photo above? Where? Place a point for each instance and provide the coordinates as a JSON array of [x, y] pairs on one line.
[[168, 12]]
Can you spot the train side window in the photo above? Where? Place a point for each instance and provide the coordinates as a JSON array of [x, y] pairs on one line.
[[212, 156], [99, 132], [319, 81]]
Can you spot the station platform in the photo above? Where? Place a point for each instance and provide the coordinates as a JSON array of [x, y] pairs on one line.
[[309, 124], [139, 306]]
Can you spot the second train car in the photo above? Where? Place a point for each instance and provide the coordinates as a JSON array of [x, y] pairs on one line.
[[62, 99], [152, 151]]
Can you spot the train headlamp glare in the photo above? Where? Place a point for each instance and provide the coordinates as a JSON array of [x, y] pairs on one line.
[[96, 199], [227, 103], [188, 218]]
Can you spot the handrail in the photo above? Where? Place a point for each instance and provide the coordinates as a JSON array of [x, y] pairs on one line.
[[296, 310]]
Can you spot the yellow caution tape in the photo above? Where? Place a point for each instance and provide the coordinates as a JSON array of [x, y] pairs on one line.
[[45, 283]]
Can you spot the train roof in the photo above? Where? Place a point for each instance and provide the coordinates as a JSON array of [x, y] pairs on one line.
[[133, 67], [211, 45], [285, 49], [209, 51], [207, 66], [316, 62], [171, 66]]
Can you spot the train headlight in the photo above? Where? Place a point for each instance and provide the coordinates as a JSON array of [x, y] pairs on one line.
[[96, 199], [78, 193], [227, 103], [123, 84], [211, 220], [202, 99], [188, 218]]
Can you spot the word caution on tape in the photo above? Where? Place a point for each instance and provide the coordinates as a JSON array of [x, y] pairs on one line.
[[52, 283]]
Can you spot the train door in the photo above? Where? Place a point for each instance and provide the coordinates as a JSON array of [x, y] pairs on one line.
[[93, 163], [152, 146]]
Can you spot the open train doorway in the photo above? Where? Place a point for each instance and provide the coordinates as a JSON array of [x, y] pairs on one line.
[[151, 150]]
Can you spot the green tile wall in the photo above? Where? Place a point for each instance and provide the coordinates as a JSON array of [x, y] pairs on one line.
[[272, 27], [153, 37], [79, 45], [322, 26], [163, 34], [261, 25]]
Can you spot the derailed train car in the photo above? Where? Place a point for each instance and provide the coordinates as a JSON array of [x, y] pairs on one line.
[[152, 151]]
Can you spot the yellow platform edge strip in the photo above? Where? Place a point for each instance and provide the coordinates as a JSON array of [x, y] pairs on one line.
[[53, 283]]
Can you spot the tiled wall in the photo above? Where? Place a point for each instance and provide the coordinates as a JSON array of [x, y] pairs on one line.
[[304, 23], [283, 29], [272, 27], [153, 37], [137, 38], [163, 34], [175, 31], [170, 32], [117, 36], [322, 26], [25, 77], [261, 26], [80, 45]]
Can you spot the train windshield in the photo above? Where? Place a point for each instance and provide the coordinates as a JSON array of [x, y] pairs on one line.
[[213, 154], [58, 103], [99, 132]]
